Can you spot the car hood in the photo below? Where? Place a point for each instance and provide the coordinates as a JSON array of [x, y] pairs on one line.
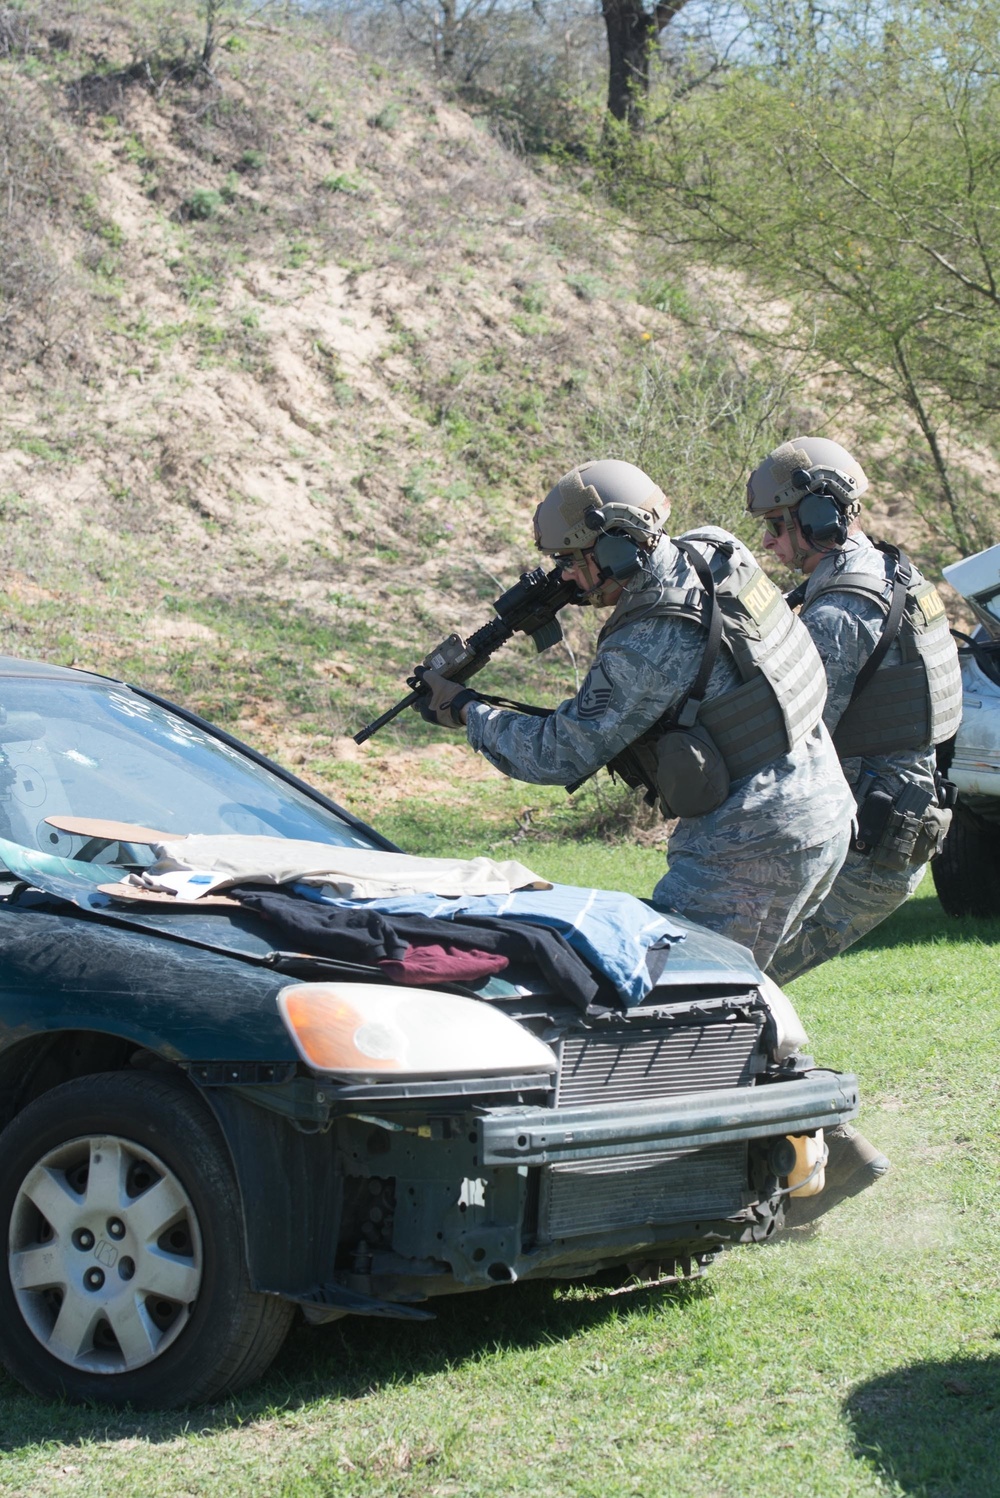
[[701, 959]]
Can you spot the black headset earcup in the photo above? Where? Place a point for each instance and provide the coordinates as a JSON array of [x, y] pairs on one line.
[[617, 554], [821, 520]]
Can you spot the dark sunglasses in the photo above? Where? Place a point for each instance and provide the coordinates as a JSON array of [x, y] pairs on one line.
[[774, 525]]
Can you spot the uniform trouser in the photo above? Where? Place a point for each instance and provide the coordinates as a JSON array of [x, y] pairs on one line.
[[863, 894], [759, 900]]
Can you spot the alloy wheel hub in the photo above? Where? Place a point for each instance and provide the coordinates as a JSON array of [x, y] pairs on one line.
[[105, 1254]]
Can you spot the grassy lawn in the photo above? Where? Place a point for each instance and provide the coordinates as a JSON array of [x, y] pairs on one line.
[[863, 1360]]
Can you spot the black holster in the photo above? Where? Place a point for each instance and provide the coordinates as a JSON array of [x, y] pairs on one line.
[[900, 829]]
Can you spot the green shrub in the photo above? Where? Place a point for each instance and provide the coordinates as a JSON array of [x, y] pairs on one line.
[[388, 117], [203, 203], [340, 182]]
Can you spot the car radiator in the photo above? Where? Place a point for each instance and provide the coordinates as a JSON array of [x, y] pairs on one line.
[[646, 1189]]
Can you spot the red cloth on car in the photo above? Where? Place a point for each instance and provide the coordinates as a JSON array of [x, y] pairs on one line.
[[433, 964]]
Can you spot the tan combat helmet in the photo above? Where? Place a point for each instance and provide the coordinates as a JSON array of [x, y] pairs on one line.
[[814, 471], [595, 498]]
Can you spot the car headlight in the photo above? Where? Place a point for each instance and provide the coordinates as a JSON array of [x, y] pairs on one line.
[[362, 1031], [791, 1035]]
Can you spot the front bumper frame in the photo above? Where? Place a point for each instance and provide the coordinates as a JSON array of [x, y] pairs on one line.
[[547, 1136]]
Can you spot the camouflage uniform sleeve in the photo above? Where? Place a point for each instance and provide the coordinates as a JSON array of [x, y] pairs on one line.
[[634, 679], [845, 630]]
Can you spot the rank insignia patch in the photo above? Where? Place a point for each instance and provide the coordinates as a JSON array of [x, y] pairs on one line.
[[596, 693]]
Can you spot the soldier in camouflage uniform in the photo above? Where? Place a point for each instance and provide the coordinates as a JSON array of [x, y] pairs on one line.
[[744, 760], [807, 492]]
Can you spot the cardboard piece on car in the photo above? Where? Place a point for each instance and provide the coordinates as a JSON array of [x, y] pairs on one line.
[[115, 832], [137, 894]]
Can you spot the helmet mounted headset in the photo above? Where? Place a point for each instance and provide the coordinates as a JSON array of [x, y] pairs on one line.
[[607, 508], [811, 480]]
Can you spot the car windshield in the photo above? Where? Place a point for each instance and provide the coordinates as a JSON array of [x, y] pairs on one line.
[[90, 749]]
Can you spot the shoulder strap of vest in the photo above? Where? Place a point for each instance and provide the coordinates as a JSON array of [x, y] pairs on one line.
[[797, 597], [902, 574], [687, 709], [722, 559], [690, 603]]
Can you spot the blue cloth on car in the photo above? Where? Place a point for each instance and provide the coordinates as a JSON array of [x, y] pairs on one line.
[[613, 932]]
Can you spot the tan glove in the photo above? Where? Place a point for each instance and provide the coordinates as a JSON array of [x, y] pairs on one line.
[[443, 700]]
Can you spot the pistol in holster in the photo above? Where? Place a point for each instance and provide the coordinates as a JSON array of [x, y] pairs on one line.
[[900, 829]]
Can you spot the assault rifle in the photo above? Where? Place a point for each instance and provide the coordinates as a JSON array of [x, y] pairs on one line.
[[529, 607]]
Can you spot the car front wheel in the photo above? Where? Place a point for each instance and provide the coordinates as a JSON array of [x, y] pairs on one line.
[[126, 1280]]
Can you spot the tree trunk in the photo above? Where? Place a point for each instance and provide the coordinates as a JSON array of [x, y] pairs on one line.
[[212, 8], [632, 32], [449, 35]]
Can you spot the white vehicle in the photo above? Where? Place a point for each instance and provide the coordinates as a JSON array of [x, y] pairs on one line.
[[967, 871]]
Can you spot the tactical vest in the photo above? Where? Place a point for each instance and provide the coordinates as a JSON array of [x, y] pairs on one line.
[[912, 705], [783, 690]]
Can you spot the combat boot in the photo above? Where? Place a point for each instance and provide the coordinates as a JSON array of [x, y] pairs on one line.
[[853, 1164]]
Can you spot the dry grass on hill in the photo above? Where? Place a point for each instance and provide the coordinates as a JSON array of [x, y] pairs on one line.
[[301, 342], [288, 356], [305, 312]]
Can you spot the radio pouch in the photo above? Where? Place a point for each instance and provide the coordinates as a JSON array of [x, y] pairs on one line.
[[691, 774]]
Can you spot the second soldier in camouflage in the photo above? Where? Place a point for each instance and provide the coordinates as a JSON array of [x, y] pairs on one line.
[[807, 491]]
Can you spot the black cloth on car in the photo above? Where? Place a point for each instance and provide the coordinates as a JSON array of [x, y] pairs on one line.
[[370, 936]]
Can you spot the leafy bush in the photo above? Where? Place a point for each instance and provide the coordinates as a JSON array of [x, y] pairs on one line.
[[340, 182], [388, 117], [698, 421], [203, 203], [858, 197]]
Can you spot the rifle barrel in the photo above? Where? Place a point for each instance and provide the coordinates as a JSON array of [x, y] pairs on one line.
[[387, 717]]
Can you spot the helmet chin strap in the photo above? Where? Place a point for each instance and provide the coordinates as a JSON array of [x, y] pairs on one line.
[[605, 579]]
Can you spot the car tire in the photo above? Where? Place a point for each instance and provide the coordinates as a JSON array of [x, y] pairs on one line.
[[966, 872], [134, 1288]]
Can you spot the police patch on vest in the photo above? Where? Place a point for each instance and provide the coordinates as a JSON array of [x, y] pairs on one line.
[[596, 693], [758, 597], [930, 602]]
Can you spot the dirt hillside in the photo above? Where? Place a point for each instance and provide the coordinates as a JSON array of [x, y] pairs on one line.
[[293, 351], [290, 352]]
